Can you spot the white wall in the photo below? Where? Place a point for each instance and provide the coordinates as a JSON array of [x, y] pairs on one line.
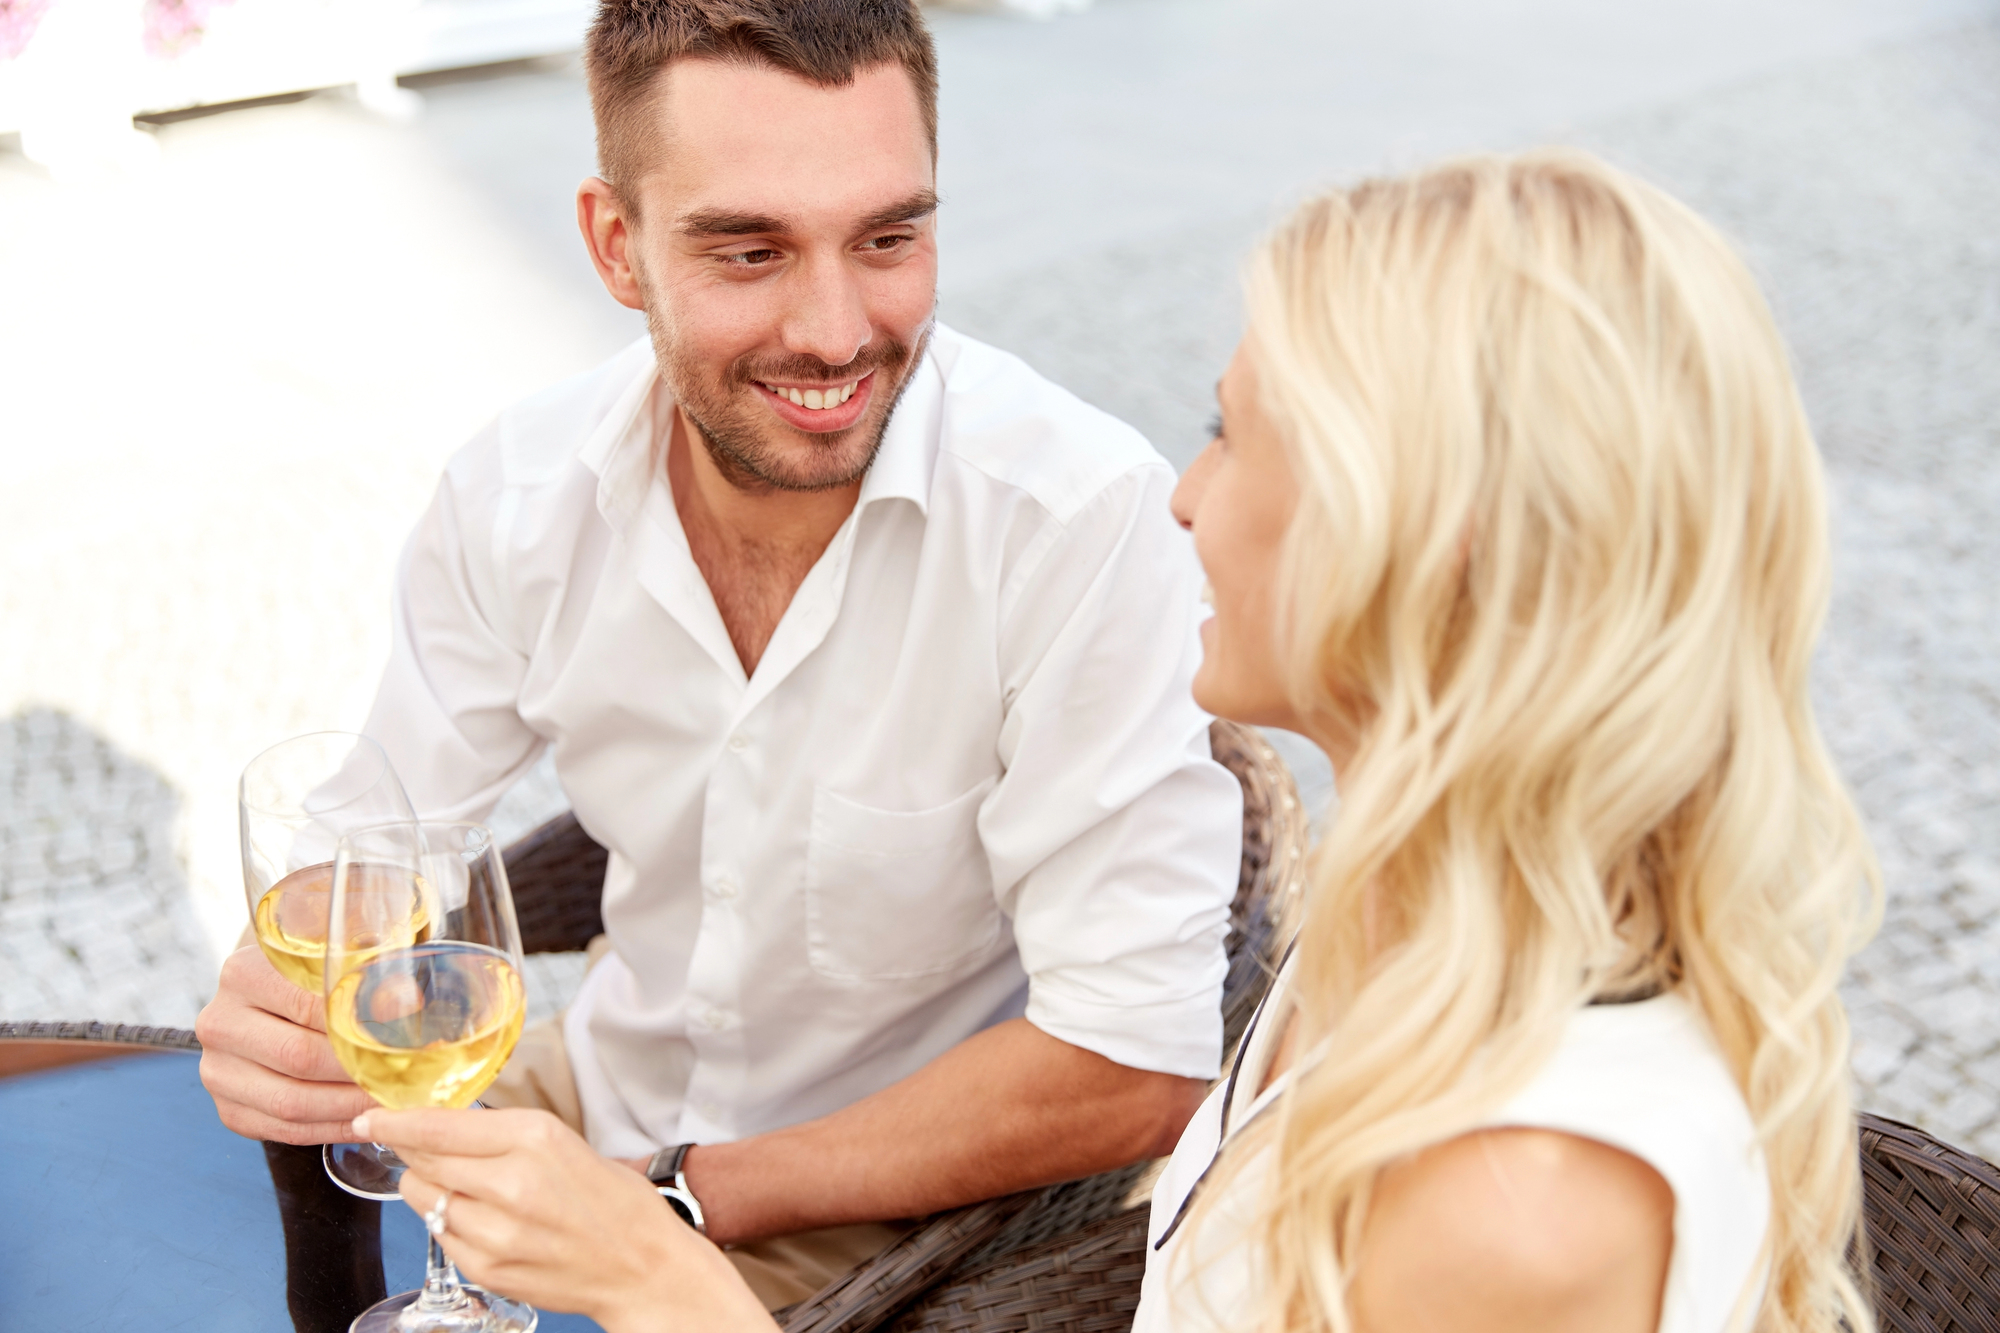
[[86, 64]]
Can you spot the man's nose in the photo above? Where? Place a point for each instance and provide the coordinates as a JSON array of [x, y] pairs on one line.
[[828, 317]]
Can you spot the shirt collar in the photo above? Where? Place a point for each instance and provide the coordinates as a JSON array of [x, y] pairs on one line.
[[620, 451], [623, 450], [903, 465]]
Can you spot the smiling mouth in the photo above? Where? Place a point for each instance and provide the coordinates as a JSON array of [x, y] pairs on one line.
[[817, 399]]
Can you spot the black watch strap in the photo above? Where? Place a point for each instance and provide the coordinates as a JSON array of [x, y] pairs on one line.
[[666, 1164]]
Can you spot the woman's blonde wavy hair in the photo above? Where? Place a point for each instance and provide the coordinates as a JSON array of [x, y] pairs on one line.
[[1557, 568]]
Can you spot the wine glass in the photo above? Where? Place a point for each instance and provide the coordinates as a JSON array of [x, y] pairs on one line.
[[295, 801], [430, 1021]]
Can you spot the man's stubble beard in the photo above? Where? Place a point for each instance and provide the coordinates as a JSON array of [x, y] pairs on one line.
[[734, 430]]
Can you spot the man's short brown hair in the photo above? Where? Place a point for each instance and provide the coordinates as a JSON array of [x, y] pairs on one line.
[[826, 42]]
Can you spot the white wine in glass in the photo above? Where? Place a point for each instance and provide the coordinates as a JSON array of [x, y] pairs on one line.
[[294, 802], [428, 1025], [426, 1022], [290, 921]]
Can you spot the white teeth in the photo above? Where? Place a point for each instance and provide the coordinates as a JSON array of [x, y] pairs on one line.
[[816, 399]]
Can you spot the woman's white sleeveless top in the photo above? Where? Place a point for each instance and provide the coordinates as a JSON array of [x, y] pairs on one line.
[[1646, 1078]]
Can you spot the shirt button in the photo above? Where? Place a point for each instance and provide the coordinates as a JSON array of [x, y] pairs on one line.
[[714, 1017], [725, 887], [738, 743]]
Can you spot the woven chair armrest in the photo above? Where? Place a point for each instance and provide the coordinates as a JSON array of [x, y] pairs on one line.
[[874, 1291], [1086, 1282]]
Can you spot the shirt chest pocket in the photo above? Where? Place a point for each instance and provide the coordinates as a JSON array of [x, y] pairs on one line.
[[892, 894]]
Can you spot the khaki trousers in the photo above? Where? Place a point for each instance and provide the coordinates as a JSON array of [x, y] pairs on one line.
[[782, 1270]]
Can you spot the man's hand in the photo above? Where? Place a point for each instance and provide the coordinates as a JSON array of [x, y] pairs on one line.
[[266, 1060], [537, 1215]]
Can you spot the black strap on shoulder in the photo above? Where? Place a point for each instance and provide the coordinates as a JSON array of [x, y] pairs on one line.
[[1228, 1100]]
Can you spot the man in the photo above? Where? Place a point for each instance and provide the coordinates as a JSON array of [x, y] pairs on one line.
[[865, 651]]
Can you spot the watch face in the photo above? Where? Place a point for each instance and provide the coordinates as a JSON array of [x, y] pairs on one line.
[[678, 1202]]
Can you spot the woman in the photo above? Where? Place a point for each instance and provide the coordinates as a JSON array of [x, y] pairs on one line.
[[1513, 509]]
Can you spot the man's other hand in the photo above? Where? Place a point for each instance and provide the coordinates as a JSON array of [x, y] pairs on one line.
[[266, 1060]]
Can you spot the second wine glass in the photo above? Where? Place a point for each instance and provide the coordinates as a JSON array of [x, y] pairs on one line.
[[426, 1023]]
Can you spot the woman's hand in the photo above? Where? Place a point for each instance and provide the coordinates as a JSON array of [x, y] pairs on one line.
[[538, 1215]]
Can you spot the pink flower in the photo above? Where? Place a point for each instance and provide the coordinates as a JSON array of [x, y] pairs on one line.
[[18, 20], [174, 26]]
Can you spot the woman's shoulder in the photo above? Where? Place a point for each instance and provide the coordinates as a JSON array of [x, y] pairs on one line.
[[1625, 1171], [1649, 1081], [1516, 1228]]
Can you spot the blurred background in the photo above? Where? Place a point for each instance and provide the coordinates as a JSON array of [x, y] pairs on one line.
[[240, 334]]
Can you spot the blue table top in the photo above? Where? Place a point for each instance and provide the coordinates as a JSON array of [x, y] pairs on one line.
[[125, 1205]]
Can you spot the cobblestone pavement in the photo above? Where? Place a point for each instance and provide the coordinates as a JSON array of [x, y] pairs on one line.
[[1864, 188], [94, 916]]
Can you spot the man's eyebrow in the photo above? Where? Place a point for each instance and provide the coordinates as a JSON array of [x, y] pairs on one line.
[[919, 205], [716, 222], [713, 222]]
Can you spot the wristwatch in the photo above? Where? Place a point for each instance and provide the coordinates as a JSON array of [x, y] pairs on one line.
[[664, 1170]]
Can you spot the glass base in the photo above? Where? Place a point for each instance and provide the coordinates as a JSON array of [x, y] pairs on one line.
[[480, 1312], [368, 1170], [365, 1170]]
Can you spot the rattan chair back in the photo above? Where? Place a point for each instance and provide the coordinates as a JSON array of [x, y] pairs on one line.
[[1931, 1227], [557, 877]]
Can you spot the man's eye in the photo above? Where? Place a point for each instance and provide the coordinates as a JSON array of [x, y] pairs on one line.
[[886, 244], [751, 258]]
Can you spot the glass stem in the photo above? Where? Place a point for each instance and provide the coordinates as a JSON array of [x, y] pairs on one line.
[[441, 1287]]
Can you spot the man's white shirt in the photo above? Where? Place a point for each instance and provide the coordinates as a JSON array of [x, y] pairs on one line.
[[966, 781]]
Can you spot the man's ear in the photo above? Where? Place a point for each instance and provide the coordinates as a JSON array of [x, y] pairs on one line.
[[607, 234]]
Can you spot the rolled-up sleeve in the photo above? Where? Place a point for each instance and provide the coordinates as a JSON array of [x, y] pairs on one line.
[[1114, 836], [447, 708]]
